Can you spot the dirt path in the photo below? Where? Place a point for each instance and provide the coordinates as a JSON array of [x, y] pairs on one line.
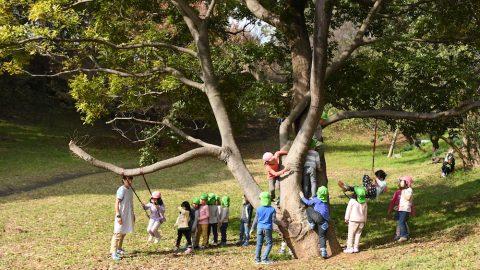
[[52, 181]]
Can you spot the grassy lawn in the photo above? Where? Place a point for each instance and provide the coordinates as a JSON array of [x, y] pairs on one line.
[[69, 224]]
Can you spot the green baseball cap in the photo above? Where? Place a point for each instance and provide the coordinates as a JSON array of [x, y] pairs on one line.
[[196, 200], [322, 193], [225, 201], [203, 196], [211, 198], [361, 193], [265, 199]]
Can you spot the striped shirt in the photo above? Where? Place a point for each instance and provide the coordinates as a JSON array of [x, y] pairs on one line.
[[312, 159]]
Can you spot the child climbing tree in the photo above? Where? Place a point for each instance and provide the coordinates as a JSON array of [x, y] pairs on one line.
[[154, 62]]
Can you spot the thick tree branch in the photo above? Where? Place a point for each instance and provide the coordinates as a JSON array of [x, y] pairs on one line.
[[123, 46], [189, 15], [167, 123], [265, 73], [414, 116], [263, 14], [198, 152], [358, 40]]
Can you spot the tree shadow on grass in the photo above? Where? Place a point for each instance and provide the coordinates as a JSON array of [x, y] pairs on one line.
[[439, 208]]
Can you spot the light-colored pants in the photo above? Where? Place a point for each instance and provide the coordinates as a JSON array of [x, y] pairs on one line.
[[117, 242], [202, 232], [152, 228], [354, 233]]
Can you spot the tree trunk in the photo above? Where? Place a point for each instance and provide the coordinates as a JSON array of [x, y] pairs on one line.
[[392, 145]]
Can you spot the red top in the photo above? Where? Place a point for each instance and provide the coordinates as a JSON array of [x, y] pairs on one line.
[[396, 200], [273, 165]]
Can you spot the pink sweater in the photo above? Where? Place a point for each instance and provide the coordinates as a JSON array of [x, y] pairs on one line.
[[204, 214], [356, 212]]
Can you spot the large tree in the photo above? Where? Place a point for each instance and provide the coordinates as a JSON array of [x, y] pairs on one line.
[[158, 62]]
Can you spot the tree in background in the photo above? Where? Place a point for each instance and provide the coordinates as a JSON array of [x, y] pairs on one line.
[[159, 63]]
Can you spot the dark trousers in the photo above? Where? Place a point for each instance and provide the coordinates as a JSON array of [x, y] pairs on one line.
[[213, 228], [315, 217], [273, 184], [223, 232], [447, 168], [184, 232], [402, 223]]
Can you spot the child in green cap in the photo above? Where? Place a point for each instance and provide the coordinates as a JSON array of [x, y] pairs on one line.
[[318, 215], [203, 215], [214, 211], [265, 220], [223, 219], [356, 217]]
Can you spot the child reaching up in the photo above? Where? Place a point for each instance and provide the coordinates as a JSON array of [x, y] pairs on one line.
[[356, 217], [272, 166], [223, 219], [374, 188], [318, 215], [157, 216], [183, 228]]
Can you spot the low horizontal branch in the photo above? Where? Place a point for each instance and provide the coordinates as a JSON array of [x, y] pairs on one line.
[[391, 114], [197, 152]]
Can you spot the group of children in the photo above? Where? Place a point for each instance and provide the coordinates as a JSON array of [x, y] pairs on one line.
[[207, 214], [356, 212], [210, 213]]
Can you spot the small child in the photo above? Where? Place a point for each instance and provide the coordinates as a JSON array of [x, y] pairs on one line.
[[310, 168], [272, 164], [183, 227], [319, 215], [196, 213], [448, 165], [393, 206], [157, 216], [203, 216], [374, 188], [223, 219], [405, 205], [266, 218], [214, 210], [245, 222], [356, 217]]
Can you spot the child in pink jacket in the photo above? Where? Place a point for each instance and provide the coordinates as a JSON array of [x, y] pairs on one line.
[[356, 217]]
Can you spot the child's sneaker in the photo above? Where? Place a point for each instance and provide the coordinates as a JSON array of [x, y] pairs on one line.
[[188, 251], [150, 239], [348, 250], [175, 249], [355, 250], [267, 262], [156, 240], [245, 244], [116, 257], [257, 262], [402, 239], [443, 174], [323, 252], [121, 252]]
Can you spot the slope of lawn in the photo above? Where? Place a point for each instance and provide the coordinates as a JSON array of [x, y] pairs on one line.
[[68, 225]]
